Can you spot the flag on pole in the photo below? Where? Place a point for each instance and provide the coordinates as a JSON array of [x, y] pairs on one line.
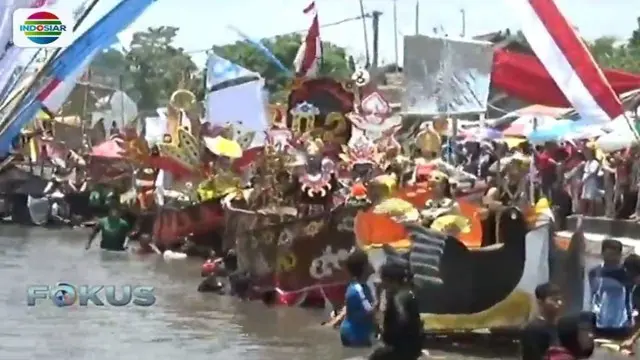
[[567, 59], [70, 63], [263, 49], [309, 56]]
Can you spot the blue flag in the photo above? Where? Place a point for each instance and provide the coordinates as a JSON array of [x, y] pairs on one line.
[[220, 70], [99, 36], [263, 49]]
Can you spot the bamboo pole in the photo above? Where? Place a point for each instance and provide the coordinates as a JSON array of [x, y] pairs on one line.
[[83, 116], [9, 91]]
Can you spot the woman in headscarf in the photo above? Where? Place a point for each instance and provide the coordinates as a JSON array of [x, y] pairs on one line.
[[441, 201], [512, 189], [575, 338]]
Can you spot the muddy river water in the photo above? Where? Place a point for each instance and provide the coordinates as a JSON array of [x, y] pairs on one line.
[[183, 324]]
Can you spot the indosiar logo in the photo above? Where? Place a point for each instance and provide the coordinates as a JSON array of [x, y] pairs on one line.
[[36, 28], [64, 294]]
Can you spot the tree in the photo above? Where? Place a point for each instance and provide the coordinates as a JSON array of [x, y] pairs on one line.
[[153, 68], [610, 53], [111, 68], [634, 41], [285, 47], [622, 55], [158, 68]]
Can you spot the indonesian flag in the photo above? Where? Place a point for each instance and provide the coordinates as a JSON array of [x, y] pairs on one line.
[[567, 59], [309, 56]]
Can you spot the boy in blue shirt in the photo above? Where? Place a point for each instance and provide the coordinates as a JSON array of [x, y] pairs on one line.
[[632, 266], [611, 288], [357, 329]]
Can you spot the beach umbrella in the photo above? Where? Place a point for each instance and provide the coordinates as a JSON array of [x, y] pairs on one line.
[[525, 125], [109, 149], [223, 147], [617, 140], [563, 130]]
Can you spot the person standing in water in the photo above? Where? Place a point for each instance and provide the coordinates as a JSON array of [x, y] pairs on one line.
[[402, 333], [357, 328], [114, 231]]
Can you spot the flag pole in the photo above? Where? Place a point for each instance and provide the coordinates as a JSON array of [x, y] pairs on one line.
[[417, 17], [366, 38], [43, 71], [395, 33]]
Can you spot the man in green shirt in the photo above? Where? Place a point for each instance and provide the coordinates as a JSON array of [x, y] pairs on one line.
[[114, 231]]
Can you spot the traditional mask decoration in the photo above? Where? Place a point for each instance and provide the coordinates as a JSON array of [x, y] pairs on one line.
[[361, 156], [359, 151], [303, 118], [316, 180], [280, 139], [316, 185]]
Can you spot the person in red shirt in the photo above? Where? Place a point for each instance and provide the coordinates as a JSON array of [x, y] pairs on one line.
[[546, 165]]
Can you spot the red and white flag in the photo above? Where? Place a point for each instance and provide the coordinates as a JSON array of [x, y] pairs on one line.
[[309, 56], [567, 59]]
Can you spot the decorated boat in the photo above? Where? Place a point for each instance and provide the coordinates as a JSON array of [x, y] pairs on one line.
[[475, 265]]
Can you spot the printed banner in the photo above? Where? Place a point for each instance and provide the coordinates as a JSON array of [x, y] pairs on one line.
[[302, 252], [445, 76]]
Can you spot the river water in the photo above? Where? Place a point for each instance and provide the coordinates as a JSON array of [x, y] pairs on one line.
[[182, 324]]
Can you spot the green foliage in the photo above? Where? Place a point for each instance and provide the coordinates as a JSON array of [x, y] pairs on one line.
[[609, 52], [285, 47], [154, 67], [158, 67]]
